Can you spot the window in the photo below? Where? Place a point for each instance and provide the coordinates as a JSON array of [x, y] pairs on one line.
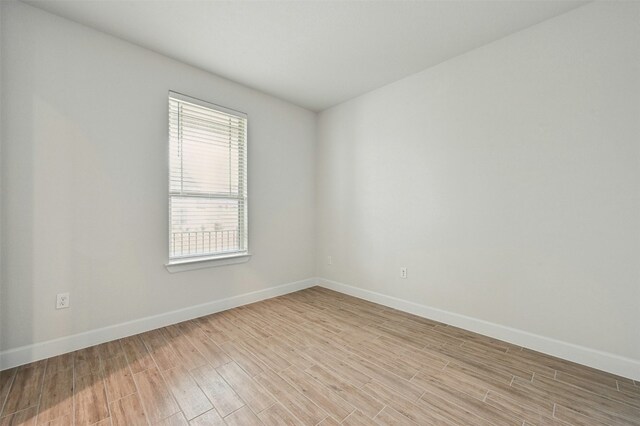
[[207, 181]]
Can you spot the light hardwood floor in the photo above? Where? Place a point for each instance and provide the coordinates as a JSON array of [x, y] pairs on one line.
[[314, 357]]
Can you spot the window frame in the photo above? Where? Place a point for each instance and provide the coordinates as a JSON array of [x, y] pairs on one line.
[[182, 263]]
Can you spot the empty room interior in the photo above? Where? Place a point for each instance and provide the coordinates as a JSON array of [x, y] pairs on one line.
[[319, 212]]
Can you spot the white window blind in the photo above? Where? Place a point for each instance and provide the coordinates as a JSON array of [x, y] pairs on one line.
[[207, 180]]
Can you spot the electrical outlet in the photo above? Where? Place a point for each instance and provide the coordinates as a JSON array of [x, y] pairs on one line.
[[329, 260], [62, 301], [403, 272]]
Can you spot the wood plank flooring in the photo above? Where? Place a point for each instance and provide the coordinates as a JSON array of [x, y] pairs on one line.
[[314, 357]]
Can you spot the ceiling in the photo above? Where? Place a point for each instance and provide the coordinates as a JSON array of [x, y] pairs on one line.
[[312, 53]]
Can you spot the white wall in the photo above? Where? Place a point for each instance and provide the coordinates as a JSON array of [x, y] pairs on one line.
[[84, 182], [507, 181], [1, 192]]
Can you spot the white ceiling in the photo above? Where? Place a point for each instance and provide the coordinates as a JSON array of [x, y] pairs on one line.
[[313, 53]]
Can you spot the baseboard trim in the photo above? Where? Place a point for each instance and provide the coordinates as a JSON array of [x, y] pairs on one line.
[[604, 361], [29, 353]]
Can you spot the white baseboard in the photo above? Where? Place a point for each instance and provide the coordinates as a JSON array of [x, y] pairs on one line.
[[604, 361], [612, 363], [29, 353]]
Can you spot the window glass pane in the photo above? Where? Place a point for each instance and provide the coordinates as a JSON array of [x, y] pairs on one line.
[[204, 225]]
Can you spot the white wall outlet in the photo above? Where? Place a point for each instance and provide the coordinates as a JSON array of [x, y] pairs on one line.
[[62, 301], [329, 260], [403, 272]]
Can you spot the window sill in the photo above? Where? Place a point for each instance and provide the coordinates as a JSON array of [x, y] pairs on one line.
[[206, 262]]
